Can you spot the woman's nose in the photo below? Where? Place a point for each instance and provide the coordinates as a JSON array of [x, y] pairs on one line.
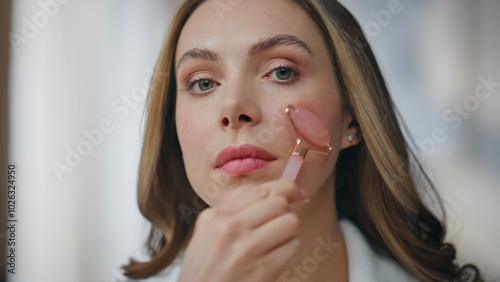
[[240, 107], [233, 122]]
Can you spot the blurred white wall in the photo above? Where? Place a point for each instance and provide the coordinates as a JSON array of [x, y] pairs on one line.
[[79, 66], [82, 66]]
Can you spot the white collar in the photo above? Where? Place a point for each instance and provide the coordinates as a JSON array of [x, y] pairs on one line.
[[364, 264]]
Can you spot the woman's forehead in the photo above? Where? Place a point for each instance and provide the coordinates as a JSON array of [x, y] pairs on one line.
[[221, 28]]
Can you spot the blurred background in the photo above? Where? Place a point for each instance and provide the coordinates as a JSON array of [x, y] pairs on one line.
[[76, 73]]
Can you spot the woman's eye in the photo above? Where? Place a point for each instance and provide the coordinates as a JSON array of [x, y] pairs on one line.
[[200, 85], [204, 85], [283, 73]]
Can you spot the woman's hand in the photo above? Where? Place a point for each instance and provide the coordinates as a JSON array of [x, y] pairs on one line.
[[249, 237]]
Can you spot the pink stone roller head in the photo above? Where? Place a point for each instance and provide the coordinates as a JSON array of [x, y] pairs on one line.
[[307, 127]]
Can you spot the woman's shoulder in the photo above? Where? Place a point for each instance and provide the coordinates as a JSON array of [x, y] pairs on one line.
[[365, 264]]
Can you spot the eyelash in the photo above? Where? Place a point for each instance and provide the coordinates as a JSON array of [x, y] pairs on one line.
[[192, 83], [295, 71]]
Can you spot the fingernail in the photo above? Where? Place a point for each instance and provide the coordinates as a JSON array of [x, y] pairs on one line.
[[304, 195], [262, 192]]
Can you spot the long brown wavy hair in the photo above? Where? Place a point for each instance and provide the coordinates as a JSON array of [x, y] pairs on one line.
[[379, 182]]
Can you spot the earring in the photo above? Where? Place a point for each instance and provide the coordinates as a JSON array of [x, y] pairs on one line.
[[352, 137]]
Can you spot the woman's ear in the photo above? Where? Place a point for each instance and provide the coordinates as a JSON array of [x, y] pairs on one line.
[[352, 134]]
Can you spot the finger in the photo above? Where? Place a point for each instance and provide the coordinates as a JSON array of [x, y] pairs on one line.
[[276, 232], [277, 259], [240, 199], [263, 211], [290, 190]]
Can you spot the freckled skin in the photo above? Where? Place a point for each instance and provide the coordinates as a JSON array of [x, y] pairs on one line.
[[245, 105], [242, 89]]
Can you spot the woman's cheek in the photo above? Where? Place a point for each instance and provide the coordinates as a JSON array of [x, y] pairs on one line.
[[189, 135]]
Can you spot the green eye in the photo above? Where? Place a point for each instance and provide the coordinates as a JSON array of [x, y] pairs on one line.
[[284, 73], [204, 85]]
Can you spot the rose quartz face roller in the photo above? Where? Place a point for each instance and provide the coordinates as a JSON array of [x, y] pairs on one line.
[[311, 134]]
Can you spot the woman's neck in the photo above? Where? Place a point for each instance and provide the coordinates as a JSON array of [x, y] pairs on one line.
[[323, 255]]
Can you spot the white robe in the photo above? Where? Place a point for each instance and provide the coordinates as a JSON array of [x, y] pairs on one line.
[[364, 264]]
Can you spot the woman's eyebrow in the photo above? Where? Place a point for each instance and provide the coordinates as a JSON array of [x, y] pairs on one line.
[[198, 53], [259, 47], [276, 41]]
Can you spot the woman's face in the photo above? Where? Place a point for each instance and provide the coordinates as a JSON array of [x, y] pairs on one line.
[[237, 68]]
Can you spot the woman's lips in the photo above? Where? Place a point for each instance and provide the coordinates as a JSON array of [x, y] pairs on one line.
[[244, 159]]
